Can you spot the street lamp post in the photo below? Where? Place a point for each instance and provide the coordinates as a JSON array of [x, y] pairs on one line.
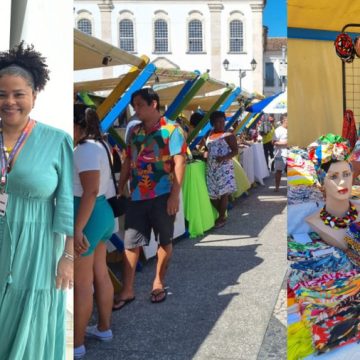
[[242, 72]]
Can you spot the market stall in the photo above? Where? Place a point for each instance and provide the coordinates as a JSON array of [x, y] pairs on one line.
[[316, 106], [323, 283], [324, 288], [198, 210], [179, 91]]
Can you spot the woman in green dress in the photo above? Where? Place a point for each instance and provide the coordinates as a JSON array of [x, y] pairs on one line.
[[36, 210]]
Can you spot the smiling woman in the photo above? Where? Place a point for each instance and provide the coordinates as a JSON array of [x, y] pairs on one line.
[[16, 97], [35, 212]]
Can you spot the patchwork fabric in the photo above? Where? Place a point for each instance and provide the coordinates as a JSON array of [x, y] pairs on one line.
[[151, 155], [340, 330], [301, 170], [352, 238]]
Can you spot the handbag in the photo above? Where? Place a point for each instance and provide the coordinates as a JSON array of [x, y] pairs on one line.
[[117, 203]]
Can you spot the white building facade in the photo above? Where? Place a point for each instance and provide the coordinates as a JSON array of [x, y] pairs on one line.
[[192, 35], [275, 66]]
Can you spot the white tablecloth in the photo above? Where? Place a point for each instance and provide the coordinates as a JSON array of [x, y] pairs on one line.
[[253, 161], [261, 170], [247, 162]]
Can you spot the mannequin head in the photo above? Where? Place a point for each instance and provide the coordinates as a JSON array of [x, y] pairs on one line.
[[338, 181]]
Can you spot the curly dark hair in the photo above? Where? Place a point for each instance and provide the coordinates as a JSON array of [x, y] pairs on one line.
[[216, 114], [28, 59]]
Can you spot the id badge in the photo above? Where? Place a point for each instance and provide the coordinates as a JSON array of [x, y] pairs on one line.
[[3, 203]]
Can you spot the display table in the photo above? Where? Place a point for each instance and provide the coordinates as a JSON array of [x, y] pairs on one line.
[[261, 170], [198, 210], [307, 264], [242, 182], [246, 157], [253, 161]]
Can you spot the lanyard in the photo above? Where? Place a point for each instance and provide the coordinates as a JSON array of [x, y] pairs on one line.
[[5, 162]]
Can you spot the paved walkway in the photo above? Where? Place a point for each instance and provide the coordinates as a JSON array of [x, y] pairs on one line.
[[226, 293]]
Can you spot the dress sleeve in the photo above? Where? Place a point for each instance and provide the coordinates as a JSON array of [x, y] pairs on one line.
[[63, 221]]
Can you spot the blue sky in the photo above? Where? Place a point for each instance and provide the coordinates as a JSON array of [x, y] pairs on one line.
[[275, 18]]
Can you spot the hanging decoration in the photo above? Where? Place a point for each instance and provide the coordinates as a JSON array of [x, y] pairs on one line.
[[344, 47]]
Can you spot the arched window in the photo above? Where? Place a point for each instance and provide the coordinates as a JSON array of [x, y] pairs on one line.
[[84, 25], [236, 36], [126, 34], [161, 36], [195, 38]]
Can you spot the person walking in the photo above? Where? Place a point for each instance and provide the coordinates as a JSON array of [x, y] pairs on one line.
[[155, 165], [280, 144], [94, 225], [267, 131], [220, 176]]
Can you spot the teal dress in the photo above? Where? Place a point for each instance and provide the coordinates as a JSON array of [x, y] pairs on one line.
[[39, 212]]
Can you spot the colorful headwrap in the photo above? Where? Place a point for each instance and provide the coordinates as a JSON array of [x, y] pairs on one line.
[[328, 148]]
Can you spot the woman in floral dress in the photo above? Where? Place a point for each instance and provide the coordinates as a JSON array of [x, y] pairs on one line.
[[220, 177]]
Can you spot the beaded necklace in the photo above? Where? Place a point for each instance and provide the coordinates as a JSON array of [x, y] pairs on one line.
[[339, 222]]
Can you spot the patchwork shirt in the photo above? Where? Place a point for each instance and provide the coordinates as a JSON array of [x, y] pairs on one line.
[[151, 158]]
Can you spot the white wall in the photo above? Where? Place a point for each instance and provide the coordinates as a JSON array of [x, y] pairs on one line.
[[49, 26], [276, 57], [5, 15], [178, 12]]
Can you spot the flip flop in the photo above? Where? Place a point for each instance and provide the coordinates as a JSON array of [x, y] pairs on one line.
[[220, 224], [158, 296], [122, 302]]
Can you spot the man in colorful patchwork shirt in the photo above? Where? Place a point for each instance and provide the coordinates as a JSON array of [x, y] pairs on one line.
[[155, 165]]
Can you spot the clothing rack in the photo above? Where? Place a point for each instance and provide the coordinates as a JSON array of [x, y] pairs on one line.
[[351, 79]]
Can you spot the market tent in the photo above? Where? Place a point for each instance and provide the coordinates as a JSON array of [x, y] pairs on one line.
[[322, 14], [168, 92], [202, 102], [161, 76], [315, 72], [166, 82], [90, 51], [276, 104]]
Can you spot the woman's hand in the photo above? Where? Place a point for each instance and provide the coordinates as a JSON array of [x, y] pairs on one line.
[[65, 274], [81, 245]]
